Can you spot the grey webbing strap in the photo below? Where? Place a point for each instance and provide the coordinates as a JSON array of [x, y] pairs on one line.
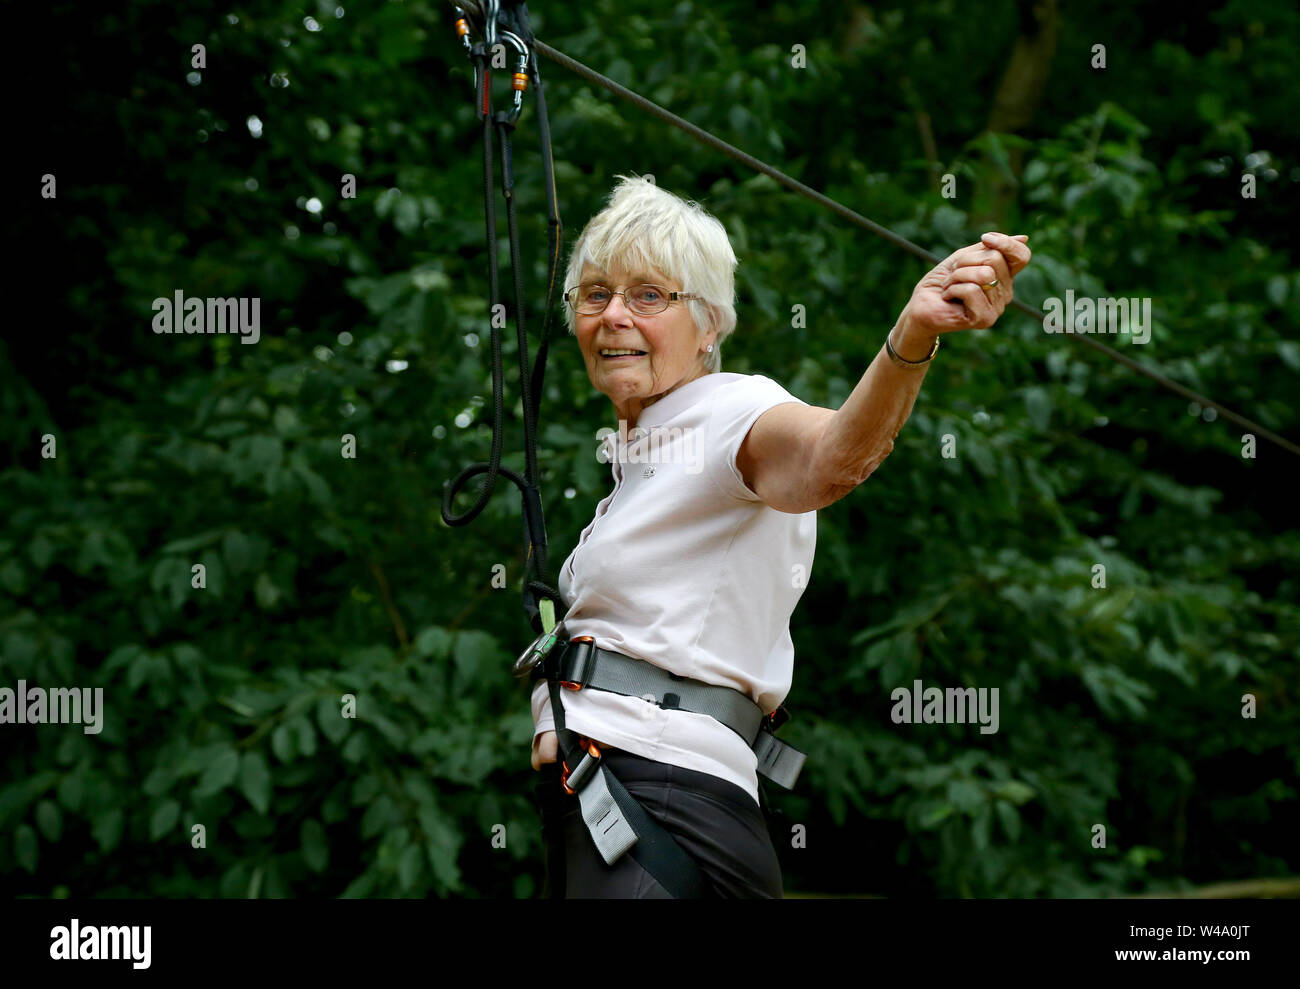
[[603, 817], [619, 825], [601, 669], [777, 760]]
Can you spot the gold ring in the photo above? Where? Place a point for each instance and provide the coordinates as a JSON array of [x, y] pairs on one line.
[[992, 284]]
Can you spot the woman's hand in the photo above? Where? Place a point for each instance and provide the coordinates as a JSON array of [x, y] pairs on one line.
[[546, 748], [952, 297]]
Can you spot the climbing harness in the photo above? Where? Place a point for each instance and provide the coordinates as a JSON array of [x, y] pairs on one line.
[[617, 822]]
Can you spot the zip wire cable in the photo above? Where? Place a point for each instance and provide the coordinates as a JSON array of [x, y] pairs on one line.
[[898, 241]]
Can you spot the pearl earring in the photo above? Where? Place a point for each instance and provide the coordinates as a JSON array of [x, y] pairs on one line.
[[710, 348]]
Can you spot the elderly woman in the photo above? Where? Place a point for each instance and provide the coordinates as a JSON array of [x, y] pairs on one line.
[[695, 561]]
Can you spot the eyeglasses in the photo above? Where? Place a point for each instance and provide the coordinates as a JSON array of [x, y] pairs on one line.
[[644, 300]]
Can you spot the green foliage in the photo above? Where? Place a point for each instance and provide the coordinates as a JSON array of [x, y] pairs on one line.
[[332, 587]]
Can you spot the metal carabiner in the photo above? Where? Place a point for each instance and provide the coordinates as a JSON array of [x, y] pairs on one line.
[[519, 80], [463, 30], [538, 650]]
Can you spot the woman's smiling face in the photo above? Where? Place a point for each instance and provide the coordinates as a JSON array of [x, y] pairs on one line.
[[673, 349]]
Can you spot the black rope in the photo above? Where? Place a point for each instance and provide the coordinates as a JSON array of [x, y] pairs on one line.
[[537, 582], [898, 241]]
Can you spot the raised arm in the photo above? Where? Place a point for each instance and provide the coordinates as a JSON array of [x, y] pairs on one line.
[[800, 458]]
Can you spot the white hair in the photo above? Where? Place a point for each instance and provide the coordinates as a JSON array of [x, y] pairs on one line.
[[645, 227]]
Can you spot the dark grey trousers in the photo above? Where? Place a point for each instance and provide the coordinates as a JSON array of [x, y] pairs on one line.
[[714, 821]]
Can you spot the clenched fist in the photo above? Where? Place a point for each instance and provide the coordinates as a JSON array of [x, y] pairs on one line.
[[959, 293]]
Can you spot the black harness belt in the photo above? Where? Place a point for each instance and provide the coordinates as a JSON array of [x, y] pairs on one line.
[[581, 664]]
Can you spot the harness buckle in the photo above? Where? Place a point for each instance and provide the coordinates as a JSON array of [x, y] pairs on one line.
[[584, 665], [584, 770], [776, 719]]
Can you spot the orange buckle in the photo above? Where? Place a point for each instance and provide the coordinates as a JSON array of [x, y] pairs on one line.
[[590, 748], [572, 684], [776, 719]]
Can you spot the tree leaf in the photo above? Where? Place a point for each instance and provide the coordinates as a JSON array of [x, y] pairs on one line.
[[255, 781], [305, 736], [329, 715], [72, 789], [1015, 791], [980, 828], [26, 847], [408, 868], [220, 772], [315, 847], [282, 743], [1010, 819], [164, 818], [49, 820], [1039, 408], [107, 828], [190, 543]]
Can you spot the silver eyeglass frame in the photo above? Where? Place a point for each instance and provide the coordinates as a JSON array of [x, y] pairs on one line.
[[672, 297]]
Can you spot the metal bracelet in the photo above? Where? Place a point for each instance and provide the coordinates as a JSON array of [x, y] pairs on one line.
[[893, 354]]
